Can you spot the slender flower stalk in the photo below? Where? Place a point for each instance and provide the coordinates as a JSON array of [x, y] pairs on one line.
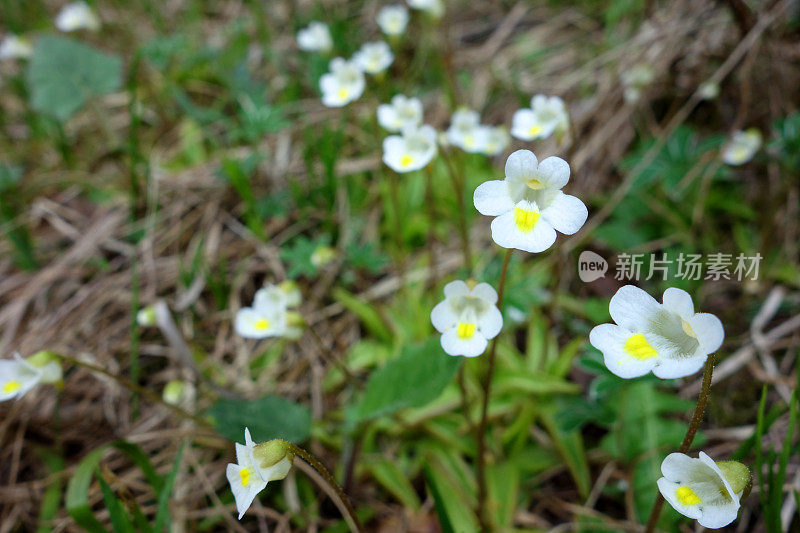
[[487, 385], [694, 425], [430, 205], [355, 523], [458, 185]]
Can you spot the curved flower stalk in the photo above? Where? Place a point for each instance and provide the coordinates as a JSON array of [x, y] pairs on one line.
[[412, 150], [316, 37], [344, 83], [269, 315], [400, 113], [701, 489], [374, 58], [256, 465], [77, 16], [18, 376], [393, 19], [528, 204], [545, 117], [15, 47], [669, 339], [467, 318], [742, 146]]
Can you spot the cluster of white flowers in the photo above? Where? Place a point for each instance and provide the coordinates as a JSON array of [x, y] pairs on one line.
[[546, 116], [741, 147], [18, 375], [270, 315], [467, 132]]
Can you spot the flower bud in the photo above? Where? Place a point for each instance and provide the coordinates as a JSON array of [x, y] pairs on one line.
[[738, 475]]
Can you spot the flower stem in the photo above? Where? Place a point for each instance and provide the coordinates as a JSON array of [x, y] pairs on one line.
[[430, 204], [355, 524], [458, 186], [487, 386], [702, 399]]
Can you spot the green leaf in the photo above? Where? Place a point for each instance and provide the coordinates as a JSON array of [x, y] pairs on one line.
[[417, 376], [162, 515], [119, 520], [366, 312], [570, 446], [394, 480], [269, 417], [77, 497], [64, 74], [51, 500], [452, 506], [503, 485]]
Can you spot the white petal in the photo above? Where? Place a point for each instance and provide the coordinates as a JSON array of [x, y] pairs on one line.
[[248, 440], [632, 308], [521, 124], [443, 317], [710, 463], [485, 292], [521, 164], [669, 368], [244, 496], [23, 375], [708, 329], [678, 301], [455, 288], [610, 340], [277, 471], [667, 489], [565, 213], [506, 234], [717, 516], [473, 347], [490, 323], [245, 325], [387, 117], [677, 466], [491, 198], [555, 172]]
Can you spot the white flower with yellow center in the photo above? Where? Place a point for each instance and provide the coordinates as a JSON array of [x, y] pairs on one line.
[[701, 489], [410, 151], [497, 140], [467, 318], [529, 205], [374, 58], [742, 146], [401, 112], [465, 131], [269, 315], [434, 8], [256, 465], [668, 338], [316, 37], [14, 47], [393, 19], [343, 84], [546, 116], [18, 376], [77, 16]]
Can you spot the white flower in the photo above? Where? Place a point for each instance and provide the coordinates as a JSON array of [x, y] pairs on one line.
[[742, 146], [412, 150], [465, 130], [315, 37], [497, 140], [18, 376], [14, 47], [269, 315], [701, 489], [529, 204], [433, 7], [546, 116], [670, 338], [467, 317], [343, 84], [634, 80], [393, 19], [374, 57], [401, 112], [248, 476], [77, 16]]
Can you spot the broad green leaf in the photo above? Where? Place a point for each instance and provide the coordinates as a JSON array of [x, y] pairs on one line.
[[64, 74], [532, 383], [77, 497], [388, 474], [453, 508], [503, 485], [417, 376], [269, 417]]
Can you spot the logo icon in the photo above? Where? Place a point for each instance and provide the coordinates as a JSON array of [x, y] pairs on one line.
[[591, 266]]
